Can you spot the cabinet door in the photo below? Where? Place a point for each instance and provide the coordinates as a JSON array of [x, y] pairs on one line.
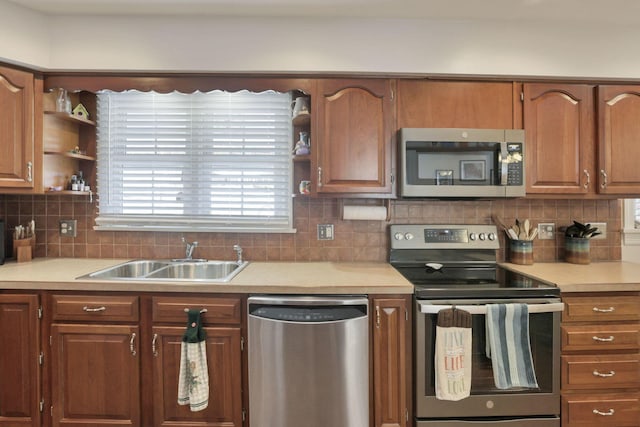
[[619, 133], [20, 389], [225, 374], [442, 104], [95, 375], [353, 145], [560, 138], [16, 129], [390, 362]]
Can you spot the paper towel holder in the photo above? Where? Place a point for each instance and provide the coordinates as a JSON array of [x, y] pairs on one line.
[[386, 203]]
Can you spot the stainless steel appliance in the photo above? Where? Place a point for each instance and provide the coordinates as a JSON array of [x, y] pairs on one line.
[[462, 163], [308, 361], [456, 265]]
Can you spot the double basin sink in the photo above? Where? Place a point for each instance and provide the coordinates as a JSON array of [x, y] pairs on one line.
[[171, 271]]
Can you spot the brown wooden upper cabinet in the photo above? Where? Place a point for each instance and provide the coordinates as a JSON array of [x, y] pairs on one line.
[[619, 139], [18, 129], [560, 138], [457, 104], [352, 137]]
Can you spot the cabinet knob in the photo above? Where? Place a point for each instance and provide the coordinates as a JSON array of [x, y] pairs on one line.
[[29, 172], [610, 338], [597, 373], [605, 178], [132, 343], [588, 177], [604, 414]]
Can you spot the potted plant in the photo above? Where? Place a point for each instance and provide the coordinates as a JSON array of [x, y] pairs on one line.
[[577, 247]]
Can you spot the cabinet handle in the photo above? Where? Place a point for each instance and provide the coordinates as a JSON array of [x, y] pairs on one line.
[[132, 342], [377, 316], [319, 176], [604, 310], [604, 178], [94, 310], [608, 339], [154, 350], [588, 183], [604, 414], [603, 375], [29, 172]]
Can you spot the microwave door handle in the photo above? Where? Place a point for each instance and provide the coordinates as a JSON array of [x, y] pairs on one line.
[[427, 308], [504, 163]]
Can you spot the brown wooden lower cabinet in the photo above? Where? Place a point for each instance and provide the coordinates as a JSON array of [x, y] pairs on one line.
[[601, 360], [96, 375], [601, 410], [391, 360], [20, 377], [114, 355], [223, 362]]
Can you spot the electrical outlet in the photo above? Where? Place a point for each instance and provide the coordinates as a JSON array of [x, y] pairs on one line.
[[546, 231], [325, 231], [68, 227], [602, 228]]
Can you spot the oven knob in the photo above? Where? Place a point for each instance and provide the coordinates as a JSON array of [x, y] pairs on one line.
[[482, 236], [472, 236], [408, 236], [492, 236], [398, 236]]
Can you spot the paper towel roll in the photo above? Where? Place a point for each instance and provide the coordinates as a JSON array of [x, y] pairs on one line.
[[376, 213]]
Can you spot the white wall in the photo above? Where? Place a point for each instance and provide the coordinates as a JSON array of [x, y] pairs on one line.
[[317, 45], [24, 36]]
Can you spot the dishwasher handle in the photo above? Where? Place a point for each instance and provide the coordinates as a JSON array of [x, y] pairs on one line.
[[297, 300]]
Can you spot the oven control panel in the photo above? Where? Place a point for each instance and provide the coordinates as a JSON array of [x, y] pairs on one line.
[[415, 236]]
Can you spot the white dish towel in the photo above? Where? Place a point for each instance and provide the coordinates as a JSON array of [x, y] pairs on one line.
[[193, 382], [453, 355], [508, 346]]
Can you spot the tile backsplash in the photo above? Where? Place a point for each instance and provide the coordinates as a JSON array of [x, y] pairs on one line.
[[354, 240]]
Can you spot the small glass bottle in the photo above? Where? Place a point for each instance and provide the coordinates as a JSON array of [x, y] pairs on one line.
[[80, 181], [73, 186], [63, 103]]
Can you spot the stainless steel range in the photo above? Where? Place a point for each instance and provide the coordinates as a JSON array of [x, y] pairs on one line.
[[456, 265]]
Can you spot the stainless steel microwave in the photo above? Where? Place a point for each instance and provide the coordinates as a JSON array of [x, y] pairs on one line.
[[461, 163]]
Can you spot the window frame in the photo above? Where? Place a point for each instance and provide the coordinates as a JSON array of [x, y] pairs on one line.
[[198, 224], [631, 235]]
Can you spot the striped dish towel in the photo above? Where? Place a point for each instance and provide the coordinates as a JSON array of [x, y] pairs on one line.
[[193, 382], [508, 346]]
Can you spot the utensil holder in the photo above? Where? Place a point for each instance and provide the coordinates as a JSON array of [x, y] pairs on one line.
[[521, 252], [577, 250], [23, 249]]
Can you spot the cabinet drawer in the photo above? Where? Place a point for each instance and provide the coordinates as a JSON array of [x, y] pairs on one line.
[[601, 372], [218, 310], [607, 410], [95, 308], [607, 337], [601, 308]]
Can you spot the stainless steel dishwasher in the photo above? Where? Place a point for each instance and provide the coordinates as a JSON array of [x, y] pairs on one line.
[[308, 361]]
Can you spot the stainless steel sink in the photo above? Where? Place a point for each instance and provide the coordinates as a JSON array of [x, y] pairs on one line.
[[211, 270], [170, 271]]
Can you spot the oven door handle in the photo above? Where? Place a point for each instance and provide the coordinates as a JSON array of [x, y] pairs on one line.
[[428, 308]]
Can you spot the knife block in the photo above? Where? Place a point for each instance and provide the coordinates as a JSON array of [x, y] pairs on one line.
[[23, 249]]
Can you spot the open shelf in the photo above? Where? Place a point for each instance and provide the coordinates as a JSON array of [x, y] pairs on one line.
[[71, 155], [71, 118]]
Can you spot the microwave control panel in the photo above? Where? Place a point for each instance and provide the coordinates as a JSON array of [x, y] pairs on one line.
[[515, 164]]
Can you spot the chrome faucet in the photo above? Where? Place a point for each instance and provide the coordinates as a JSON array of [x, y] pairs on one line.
[[189, 248], [238, 250]]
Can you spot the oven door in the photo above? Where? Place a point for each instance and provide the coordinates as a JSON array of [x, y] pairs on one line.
[[486, 400]]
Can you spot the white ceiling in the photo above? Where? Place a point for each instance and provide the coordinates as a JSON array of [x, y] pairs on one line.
[[586, 11]]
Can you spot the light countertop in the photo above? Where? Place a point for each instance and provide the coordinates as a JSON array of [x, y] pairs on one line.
[[257, 277], [594, 277]]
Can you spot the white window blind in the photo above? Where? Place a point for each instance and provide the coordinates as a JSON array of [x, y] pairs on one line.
[[636, 211], [215, 161]]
